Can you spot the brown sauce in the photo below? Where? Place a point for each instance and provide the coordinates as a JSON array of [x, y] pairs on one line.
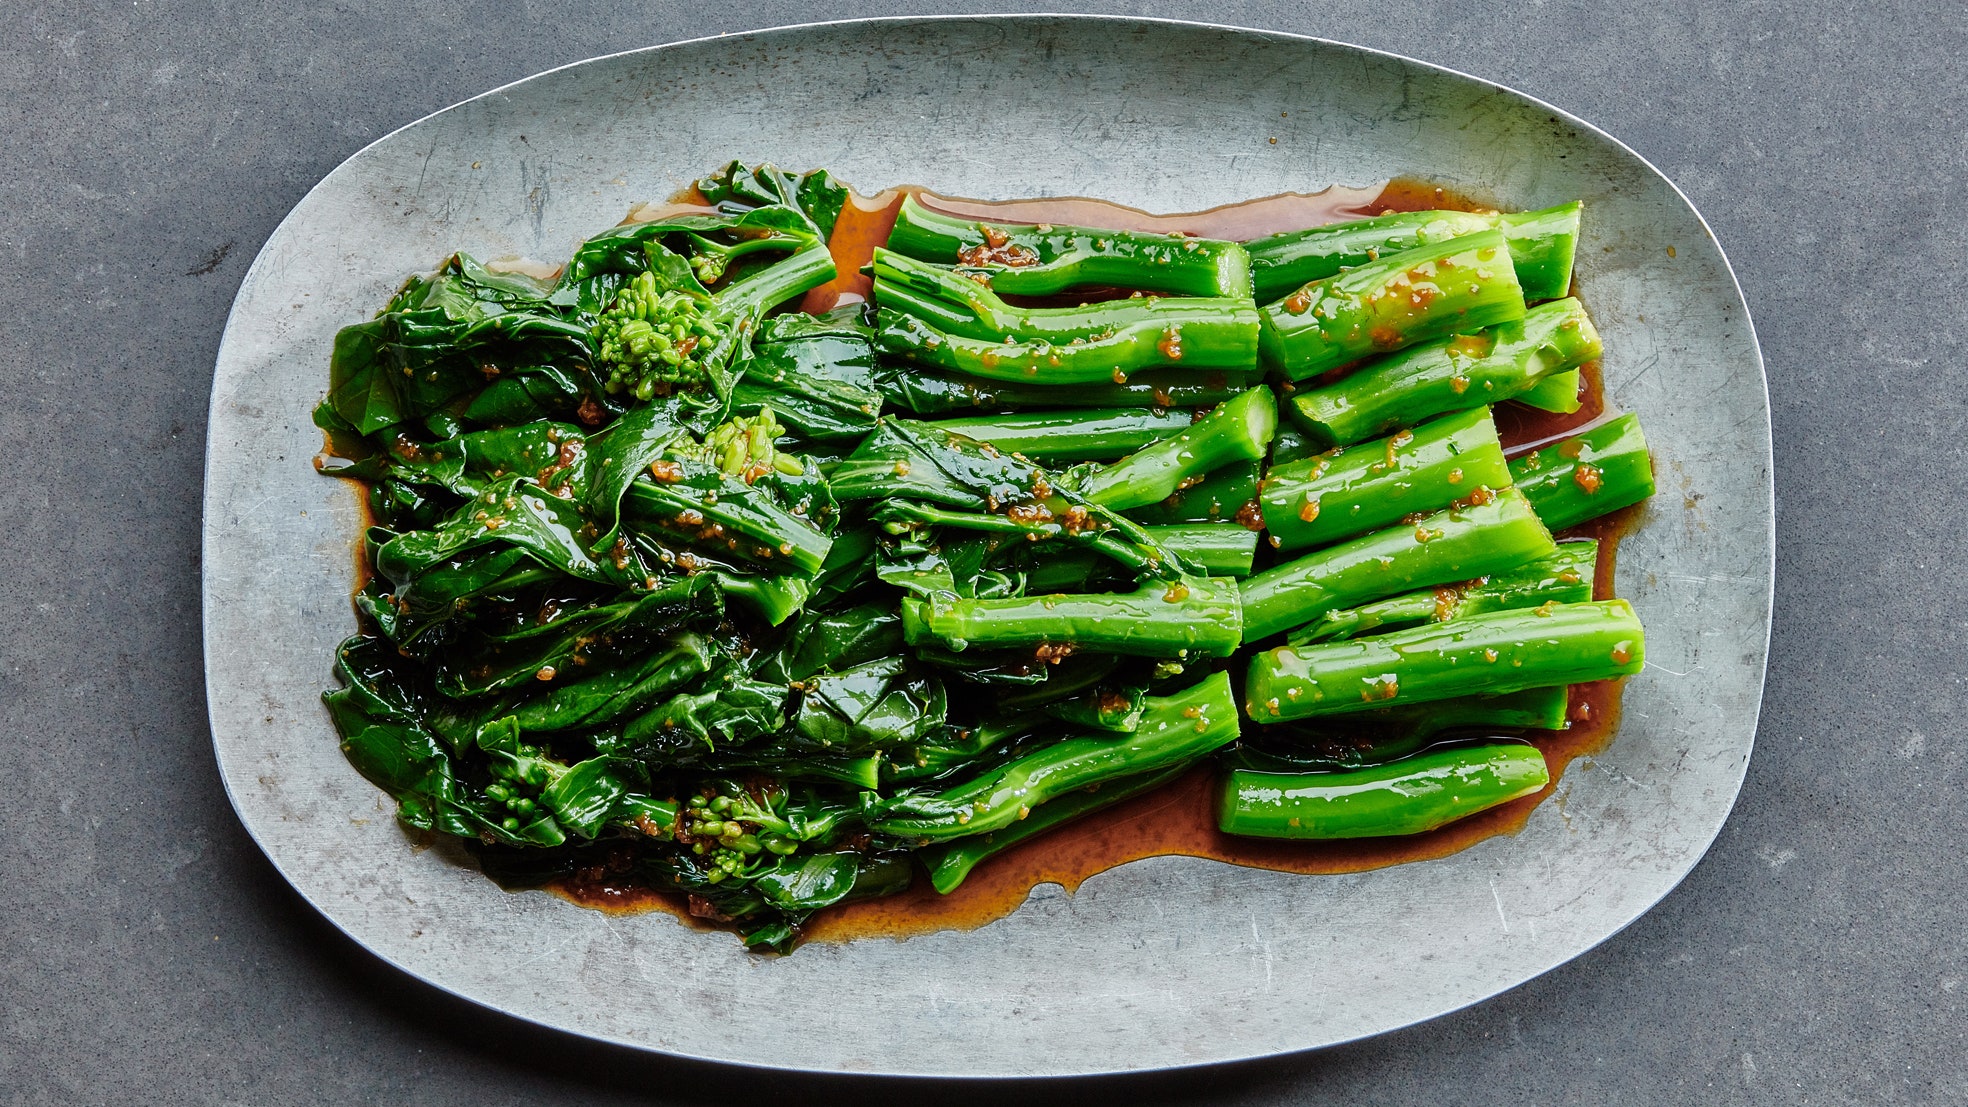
[[1180, 818], [863, 224], [1246, 219]]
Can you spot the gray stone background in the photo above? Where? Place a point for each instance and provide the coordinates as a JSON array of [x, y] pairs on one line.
[[149, 954]]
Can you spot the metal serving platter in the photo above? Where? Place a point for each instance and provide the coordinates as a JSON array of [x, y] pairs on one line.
[[1160, 963]]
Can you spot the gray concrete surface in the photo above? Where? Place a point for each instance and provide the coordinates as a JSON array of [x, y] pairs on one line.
[[148, 954]]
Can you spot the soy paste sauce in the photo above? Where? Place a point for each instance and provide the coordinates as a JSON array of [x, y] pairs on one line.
[[1180, 818]]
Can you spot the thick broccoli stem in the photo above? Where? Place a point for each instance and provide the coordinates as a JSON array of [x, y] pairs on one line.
[[1174, 730], [1541, 247], [1337, 495], [1506, 651], [1564, 577], [1391, 733], [772, 598], [1291, 443], [1189, 617], [1040, 260], [1457, 287], [928, 391], [1238, 430], [951, 862], [1448, 375], [1410, 796], [961, 307], [1064, 437], [1194, 334], [1228, 495], [1528, 709], [1558, 393], [1587, 475], [1543, 244], [756, 293], [724, 518], [1218, 551], [1493, 532]]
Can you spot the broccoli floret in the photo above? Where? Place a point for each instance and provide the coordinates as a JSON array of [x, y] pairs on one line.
[[651, 339], [732, 828], [746, 447], [520, 773]]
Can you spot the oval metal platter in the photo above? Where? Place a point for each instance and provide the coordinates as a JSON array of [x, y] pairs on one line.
[[1160, 963]]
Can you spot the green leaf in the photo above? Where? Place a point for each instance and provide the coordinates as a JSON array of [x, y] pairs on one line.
[[585, 795], [877, 705], [807, 883]]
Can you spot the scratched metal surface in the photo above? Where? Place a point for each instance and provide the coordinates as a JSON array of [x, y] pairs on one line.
[[1160, 963]]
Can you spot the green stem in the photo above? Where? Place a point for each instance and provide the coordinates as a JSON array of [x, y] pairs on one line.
[[1192, 616], [1175, 730], [1431, 291], [772, 598], [1463, 542], [1409, 796], [1238, 430], [1337, 495], [960, 746], [725, 517], [1587, 475], [756, 293], [1219, 335], [961, 307], [1564, 577], [1390, 733], [1543, 244], [1228, 495], [1218, 551], [932, 392], [1506, 651], [1291, 443], [1558, 393], [1448, 375], [1541, 247], [1121, 540], [1041, 260], [951, 862], [1064, 437]]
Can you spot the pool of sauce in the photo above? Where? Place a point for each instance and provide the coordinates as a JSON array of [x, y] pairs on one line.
[[1179, 818]]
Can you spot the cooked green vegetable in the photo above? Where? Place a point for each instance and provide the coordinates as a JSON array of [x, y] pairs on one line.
[[675, 586], [1587, 475], [1027, 260], [949, 863], [1464, 371], [1338, 494], [1237, 430], [1418, 794], [1564, 577], [1228, 495], [1187, 617], [1541, 245], [1387, 734], [1494, 532], [1458, 287], [909, 386], [1056, 437], [1504, 651], [1174, 731]]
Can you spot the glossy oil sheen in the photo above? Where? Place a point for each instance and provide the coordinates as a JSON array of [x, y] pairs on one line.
[[1166, 961]]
